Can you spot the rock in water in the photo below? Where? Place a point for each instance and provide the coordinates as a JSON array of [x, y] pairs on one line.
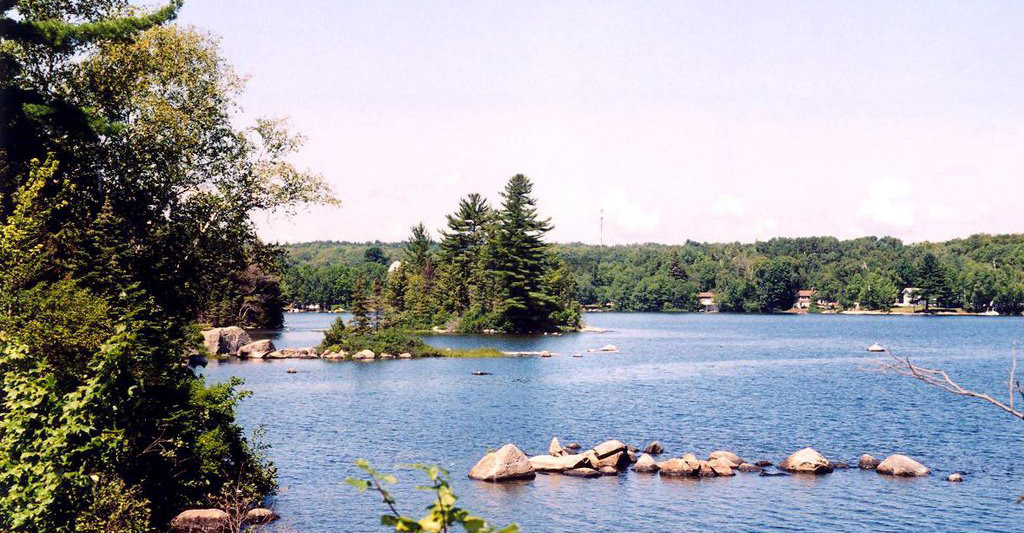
[[555, 448], [334, 356], [225, 341], [200, 521], [405, 355], [582, 472], [721, 466], [747, 467], [645, 464], [807, 461], [867, 462], [901, 465], [609, 348], [260, 515], [506, 464], [730, 458], [573, 446], [608, 471], [293, 353], [654, 448], [363, 355], [549, 463], [679, 467], [955, 477], [256, 349], [609, 447], [876, 348]]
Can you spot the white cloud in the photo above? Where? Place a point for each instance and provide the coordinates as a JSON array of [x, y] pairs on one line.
[[627, 215], [728, 205], [889, 203]]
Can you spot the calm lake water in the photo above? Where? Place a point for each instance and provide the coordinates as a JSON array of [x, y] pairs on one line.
[[762, 386]]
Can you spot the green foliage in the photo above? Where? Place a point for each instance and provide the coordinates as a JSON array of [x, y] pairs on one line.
[[339, 338], [442, 513]]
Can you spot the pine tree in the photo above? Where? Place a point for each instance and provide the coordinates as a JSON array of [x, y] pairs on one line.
[[932, 280], [521, 261], [360, 308], [676, 270], [417, 248], [461, 247]]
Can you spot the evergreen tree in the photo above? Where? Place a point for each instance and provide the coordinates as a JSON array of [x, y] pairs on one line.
[[361, 324], [521, 261], [676, 270], [417, 248], [461, 247], [932, 280]]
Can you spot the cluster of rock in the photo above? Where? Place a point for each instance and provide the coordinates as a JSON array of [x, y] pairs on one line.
[[613, 457], [234, 341], [218, 521]]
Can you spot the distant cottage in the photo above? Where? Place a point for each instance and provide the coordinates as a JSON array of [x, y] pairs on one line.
[[803, 298], [909, 297], [707, 302]]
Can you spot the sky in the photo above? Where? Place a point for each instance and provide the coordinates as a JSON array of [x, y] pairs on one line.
[[715, 120]]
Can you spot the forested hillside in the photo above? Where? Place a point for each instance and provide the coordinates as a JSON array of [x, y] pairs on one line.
[[979, 273]]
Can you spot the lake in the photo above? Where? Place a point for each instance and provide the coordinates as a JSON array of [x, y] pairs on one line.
[[761, 386]]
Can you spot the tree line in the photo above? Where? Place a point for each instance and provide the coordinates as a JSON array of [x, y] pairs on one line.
[[126, 194], [978, 273]]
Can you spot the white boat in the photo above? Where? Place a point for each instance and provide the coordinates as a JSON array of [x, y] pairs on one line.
[[876, 348]]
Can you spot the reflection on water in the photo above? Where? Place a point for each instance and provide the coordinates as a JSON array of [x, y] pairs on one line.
[[762, 386]]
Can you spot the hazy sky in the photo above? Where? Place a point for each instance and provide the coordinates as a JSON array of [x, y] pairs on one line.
[[715, 120]]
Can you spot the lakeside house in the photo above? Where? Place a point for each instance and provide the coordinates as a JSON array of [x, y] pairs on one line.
[[706, 300], [909, 297], [803, 298]]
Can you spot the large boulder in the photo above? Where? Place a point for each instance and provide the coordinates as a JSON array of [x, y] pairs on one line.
[[901, 465], [550, 463], [722, 466], [225, 341], [729, 458], [807, 461], [555, 448], [609, 447], [201, 521], [260, 515], [618, 461], [654, 448], [506, 464], [645, 464], [256, 349], [867, 462]]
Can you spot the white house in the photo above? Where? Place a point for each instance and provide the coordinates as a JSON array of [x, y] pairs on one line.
[[909, 297]]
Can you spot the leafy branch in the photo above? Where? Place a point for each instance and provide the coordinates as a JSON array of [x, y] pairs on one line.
[[441, 515]]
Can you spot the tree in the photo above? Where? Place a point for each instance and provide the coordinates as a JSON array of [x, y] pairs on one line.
[[418, 248], [932, 281], [521, 260], [361, 323], [375, 254], [776, 283], [461, 247]]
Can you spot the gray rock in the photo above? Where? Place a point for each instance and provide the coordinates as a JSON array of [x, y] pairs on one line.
[[645, 464], [730, 458], [256, 349], [363, 355], [654, 448], [582, 472], [807, 461], [901, 465], [867, 462], [955, 477], [609, 447], [747, 467], [506, 464], [260, 515], [609, 471]]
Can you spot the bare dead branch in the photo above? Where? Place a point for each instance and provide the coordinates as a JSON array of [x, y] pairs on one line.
[[940, 379]]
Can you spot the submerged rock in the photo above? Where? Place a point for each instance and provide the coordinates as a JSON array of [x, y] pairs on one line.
[[582, 472], [609, 471], [608, 348], [550, 463], [200, 521], [901, 465], [506, 464], [747, 467], [763, 463], [955, 477], [867, 462], [807, 461]]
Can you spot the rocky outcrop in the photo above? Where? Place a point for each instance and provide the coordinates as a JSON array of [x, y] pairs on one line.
[[729, 458], [645, 464], [225, 341], [200, 521], [806, 461], [256, 349], [721, 467], [682, 467], [293, 353], [901, 465], [747, 467], [867, 462], [550, 463], [405, 355], [506, 464], [618, 461], [334, 356], [260, 515], [654, 448]]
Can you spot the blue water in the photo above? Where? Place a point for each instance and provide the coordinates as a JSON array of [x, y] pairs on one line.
[[762, 386]]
